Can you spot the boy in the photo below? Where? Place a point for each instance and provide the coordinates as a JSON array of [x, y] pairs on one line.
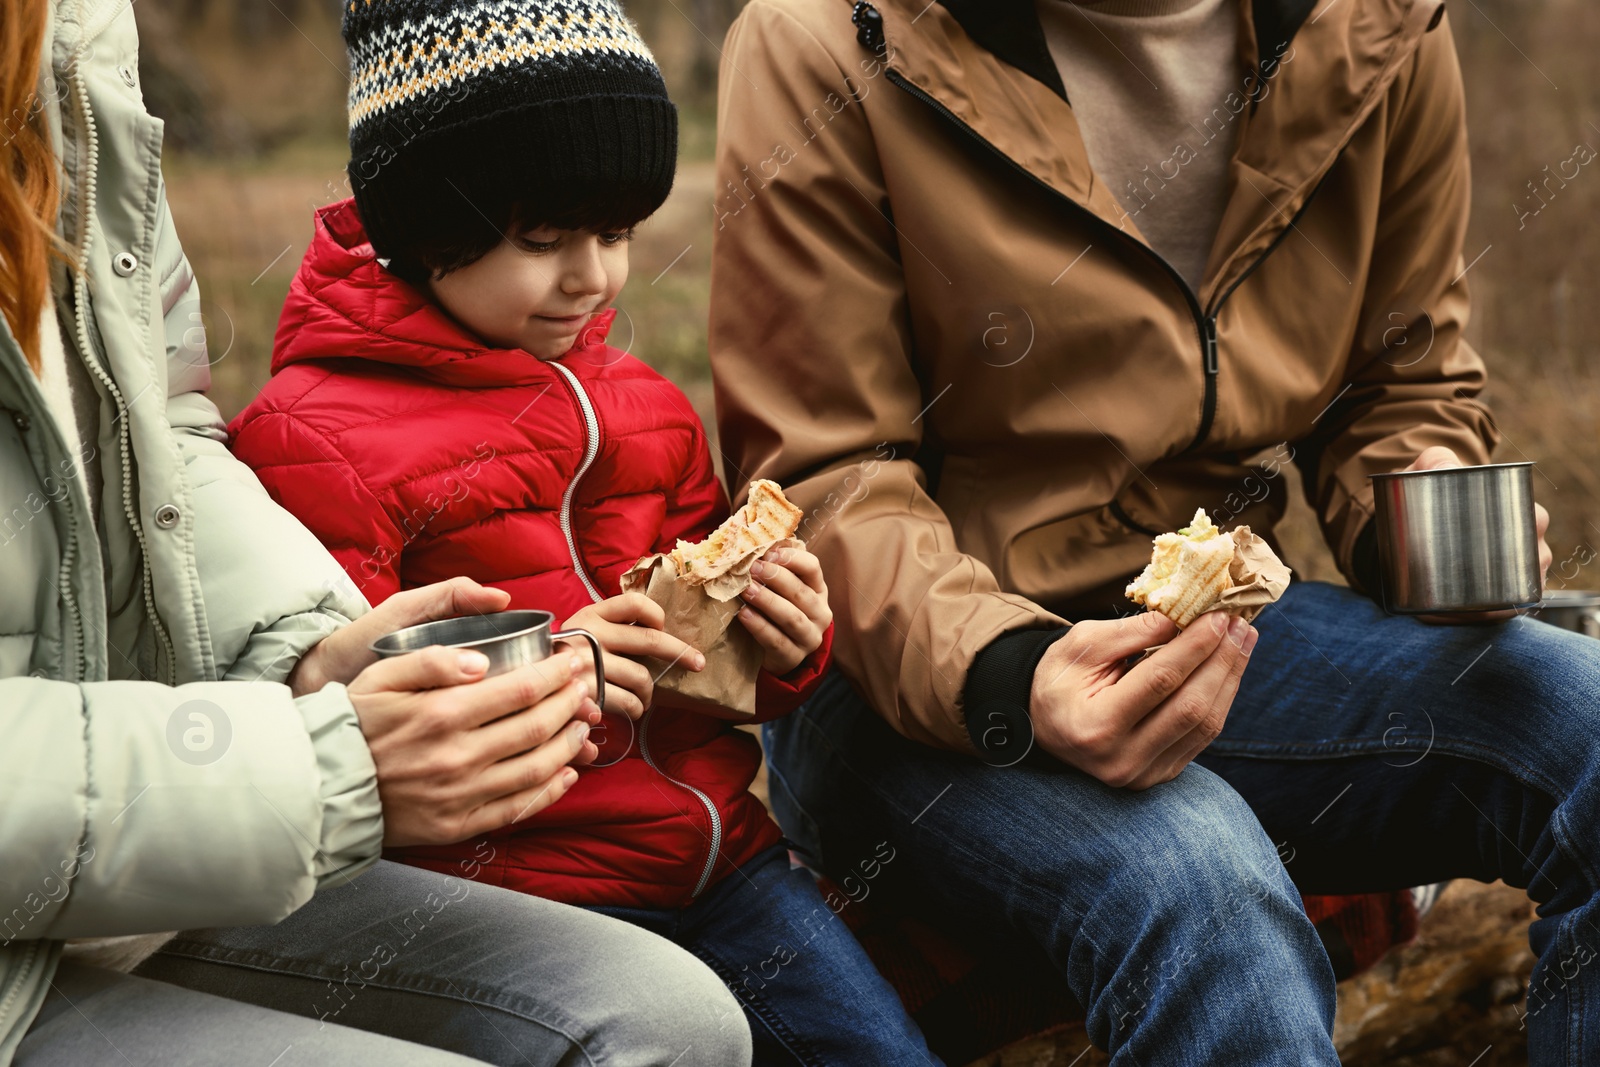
[[444, 403]]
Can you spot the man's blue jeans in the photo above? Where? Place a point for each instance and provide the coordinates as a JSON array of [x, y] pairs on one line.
[[809, 991], [1364, 752]]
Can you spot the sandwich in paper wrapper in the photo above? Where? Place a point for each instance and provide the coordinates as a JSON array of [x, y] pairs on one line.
[[698, 587], [1200, 569]]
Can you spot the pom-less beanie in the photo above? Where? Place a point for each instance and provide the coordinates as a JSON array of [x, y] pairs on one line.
[[455, 103]]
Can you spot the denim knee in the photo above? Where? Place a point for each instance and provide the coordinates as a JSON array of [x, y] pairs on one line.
[[691, 1020], [1535, 698], [1193, 848]]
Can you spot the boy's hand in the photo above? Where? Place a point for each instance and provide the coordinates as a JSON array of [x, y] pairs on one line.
[[786, 607], [630, 626]]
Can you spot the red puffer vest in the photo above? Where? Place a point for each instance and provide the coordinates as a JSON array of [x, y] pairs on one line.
[[417, 454]]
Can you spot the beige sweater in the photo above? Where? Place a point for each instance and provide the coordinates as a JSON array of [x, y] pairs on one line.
[[1149, 82]]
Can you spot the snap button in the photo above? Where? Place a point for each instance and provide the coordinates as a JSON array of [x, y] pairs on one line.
[[21, 420], [125, 263], [167, 516], [127, 74]]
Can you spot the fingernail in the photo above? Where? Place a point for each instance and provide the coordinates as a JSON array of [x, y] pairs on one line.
[[583, 732], [582, 685], [568, 776], [472, 662], [699, 662], [1219, 622], [1236, 627], [1250, 640], [758, 569], [575, 663]]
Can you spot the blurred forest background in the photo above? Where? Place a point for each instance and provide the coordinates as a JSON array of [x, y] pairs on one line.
[[253, 92]]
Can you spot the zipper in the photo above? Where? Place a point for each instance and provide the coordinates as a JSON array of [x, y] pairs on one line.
[[88, 161], [1205, 320], [1210, 364], [591, 427], [22, 965], [592, 448], [711, 808]]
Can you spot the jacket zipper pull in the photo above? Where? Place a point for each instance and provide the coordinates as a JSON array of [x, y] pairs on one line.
[[1211, 346], [868, 21]]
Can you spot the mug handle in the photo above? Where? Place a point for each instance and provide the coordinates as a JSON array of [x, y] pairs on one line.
[[599, 660]]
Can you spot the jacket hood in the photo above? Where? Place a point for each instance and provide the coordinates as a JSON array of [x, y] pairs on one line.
[[344, 304]]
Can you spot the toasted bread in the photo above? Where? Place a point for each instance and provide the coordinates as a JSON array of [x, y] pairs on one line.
[[766, 517], [1188, 571]]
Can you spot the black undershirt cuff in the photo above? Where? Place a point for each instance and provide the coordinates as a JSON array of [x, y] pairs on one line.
[[998, 692]]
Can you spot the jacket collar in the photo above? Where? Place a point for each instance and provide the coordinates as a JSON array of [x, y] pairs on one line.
[[344, 304], [1010, 30], [1313, 79]]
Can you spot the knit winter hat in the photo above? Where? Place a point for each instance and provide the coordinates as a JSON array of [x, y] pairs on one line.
[[461, 108]]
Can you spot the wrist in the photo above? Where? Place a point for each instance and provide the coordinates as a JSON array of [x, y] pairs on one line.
[[998, 695], [308, 676]]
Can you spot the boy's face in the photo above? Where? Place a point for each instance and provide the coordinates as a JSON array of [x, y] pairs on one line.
[[537, 289]]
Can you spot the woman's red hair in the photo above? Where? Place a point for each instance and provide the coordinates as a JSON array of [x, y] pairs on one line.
[[29, 182]]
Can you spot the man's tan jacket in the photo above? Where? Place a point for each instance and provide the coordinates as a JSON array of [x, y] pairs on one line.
[[948, 340]]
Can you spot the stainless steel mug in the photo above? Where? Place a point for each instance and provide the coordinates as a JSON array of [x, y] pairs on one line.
[[513, 639], [1457, 539], [1571, 609]]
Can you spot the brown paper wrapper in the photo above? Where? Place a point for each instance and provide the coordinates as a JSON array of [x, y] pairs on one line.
[[1259, 577], [704, 617]]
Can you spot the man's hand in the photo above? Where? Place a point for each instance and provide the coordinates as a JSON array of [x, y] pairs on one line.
[[630, 625], [343, 654], [786, 608], [1135, 728], [459, 754], [1437, 456]]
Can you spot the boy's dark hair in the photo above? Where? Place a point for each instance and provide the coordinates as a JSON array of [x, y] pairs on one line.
[[471, 217], [471, 119]]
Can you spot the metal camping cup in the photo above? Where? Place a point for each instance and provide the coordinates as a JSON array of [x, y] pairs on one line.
[[510, 639], [1457, 539], [1571, 609]]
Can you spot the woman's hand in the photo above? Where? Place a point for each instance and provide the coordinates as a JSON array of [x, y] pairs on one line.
[[343, 654], [459, 754], [1437, 456], [786, 607], [626, 626]]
